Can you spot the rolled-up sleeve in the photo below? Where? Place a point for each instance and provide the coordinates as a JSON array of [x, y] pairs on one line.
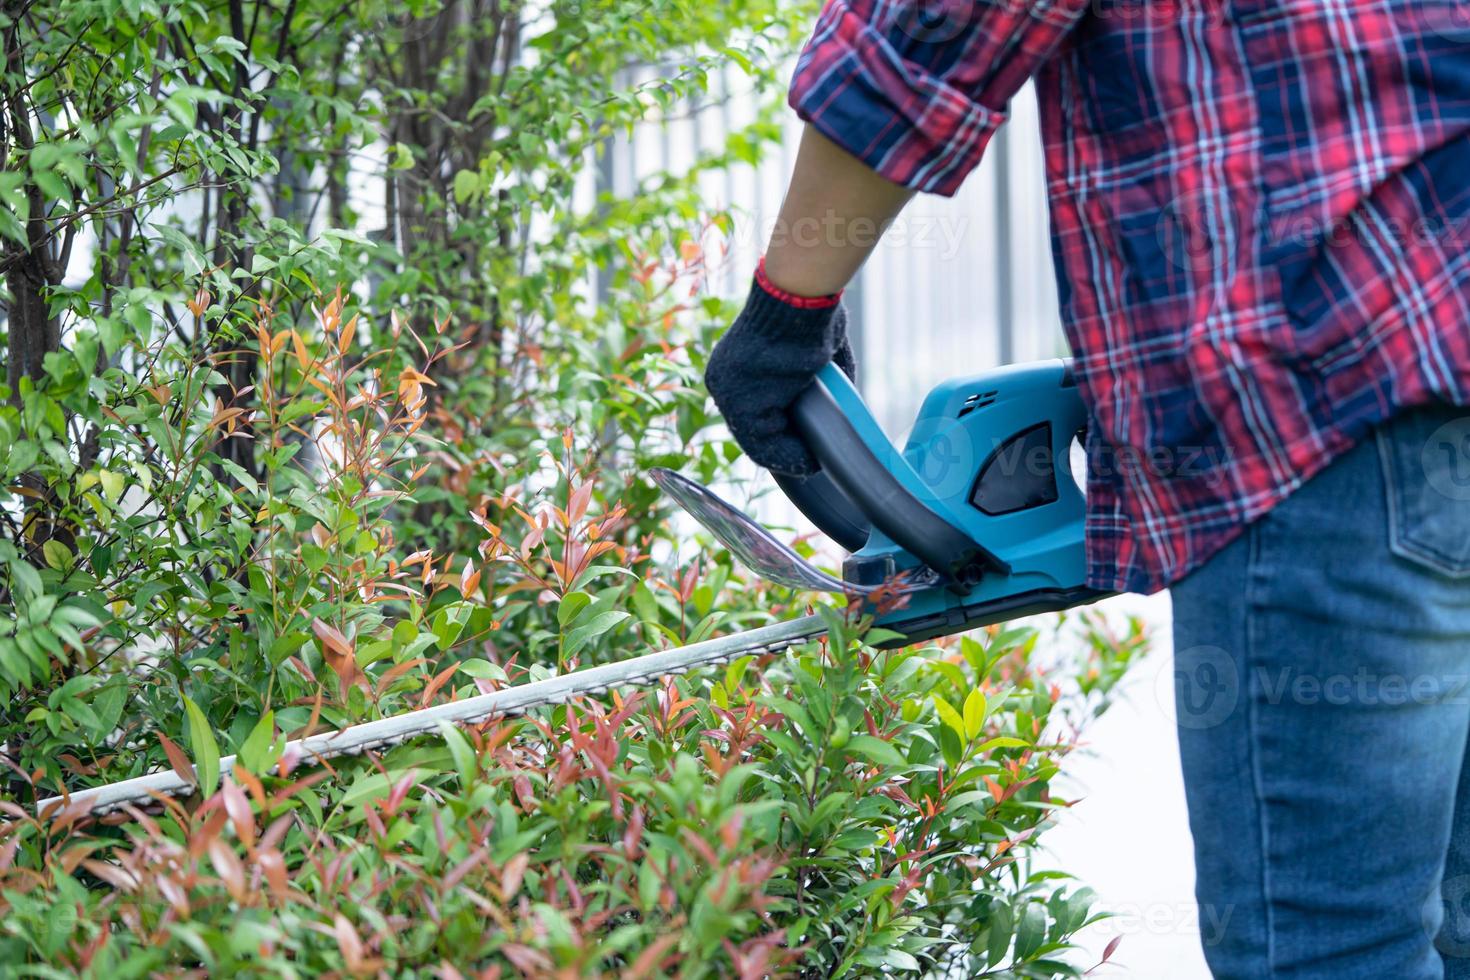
[[916, 88]]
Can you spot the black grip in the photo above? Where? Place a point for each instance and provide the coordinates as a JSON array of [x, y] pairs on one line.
[[882, 499], [827, 507]]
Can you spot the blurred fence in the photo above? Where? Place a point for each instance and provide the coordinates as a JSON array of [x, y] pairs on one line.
[[958, 285]]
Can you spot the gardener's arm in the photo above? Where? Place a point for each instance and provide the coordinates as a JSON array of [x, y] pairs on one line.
[[899, 96], [835, 209]]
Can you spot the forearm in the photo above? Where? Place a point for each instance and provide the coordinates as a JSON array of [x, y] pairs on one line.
[[835, 211]]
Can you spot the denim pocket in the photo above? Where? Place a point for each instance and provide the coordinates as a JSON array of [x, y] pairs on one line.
[[1426, 469]]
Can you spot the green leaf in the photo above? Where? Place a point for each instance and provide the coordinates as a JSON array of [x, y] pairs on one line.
[[467, 186], [26, 577], [645, 603], [1004, 742], [587, 632], [101, 560], [975, 708], [314, 558], [875, 750], [1031, 931], [255, 751], [112, 484], [461, 752], [1000, 932], [22, 456], [205, 748], [571, 604], [57, 555], [901, 960], [483, 669], [877, 635], [950, 716], [402, 158]]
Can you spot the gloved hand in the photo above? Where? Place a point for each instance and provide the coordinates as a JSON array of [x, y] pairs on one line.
[[766, 359]]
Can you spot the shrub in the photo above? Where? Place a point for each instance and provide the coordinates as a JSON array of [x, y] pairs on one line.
[[833, 809], [237, 506], [829, 811]]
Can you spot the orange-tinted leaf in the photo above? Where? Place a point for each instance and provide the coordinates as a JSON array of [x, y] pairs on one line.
[[119, 878], [303, 357], [227, 866], [348, 941], [648, 962], [332, 638], [199, 303], [344, 340], [469, 579], [238, 807], [512, 874], [439, 680], [396, 671], [456, 875], [179, 760], [273, 866]]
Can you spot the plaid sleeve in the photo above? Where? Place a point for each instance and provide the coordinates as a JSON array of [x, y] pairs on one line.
[[916, 88]]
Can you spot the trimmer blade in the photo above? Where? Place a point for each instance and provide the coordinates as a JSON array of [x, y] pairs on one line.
[[754, 546]]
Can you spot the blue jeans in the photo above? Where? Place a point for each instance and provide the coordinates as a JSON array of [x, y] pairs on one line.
[[1322, 684]]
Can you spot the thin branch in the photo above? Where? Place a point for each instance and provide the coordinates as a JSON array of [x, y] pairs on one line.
[[105, 204]]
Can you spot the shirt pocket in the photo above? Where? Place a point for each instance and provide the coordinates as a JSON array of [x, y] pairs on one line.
[[1425, 453]]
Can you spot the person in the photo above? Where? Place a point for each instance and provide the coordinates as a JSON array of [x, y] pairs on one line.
[[1258, 213]]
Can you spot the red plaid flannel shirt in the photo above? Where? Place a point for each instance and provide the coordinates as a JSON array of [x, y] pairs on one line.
[[1259, 217]]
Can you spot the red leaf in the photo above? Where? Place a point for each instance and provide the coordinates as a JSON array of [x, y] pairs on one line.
[[238, 807], [227, 865], [464, 867], [348, 942], [179, 760], [511, 875], [274, 866], [122, 880], [332, 639]]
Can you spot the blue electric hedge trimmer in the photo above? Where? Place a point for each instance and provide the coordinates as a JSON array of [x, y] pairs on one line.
[[977, 520]]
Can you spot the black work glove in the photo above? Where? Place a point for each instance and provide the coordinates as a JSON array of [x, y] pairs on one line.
[[766, 359]]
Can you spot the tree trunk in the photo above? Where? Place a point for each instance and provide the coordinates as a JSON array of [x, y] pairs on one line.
[[33, 332]]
